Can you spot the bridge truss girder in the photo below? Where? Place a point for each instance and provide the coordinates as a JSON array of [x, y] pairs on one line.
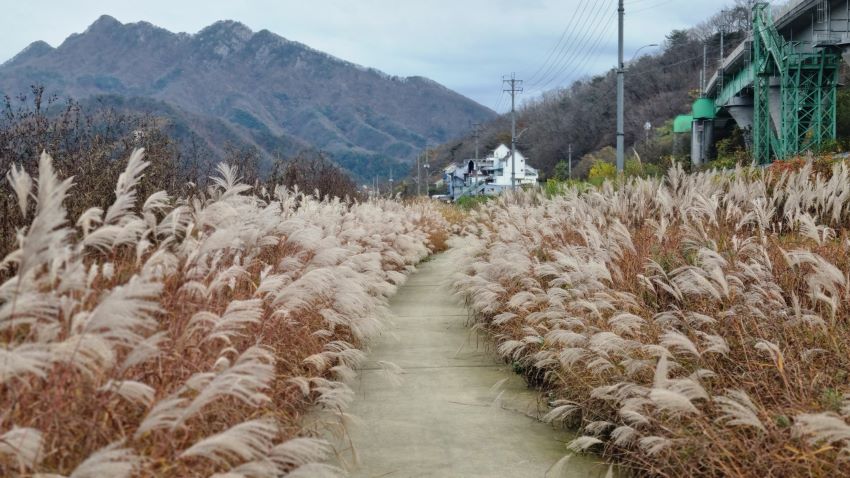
[[808, 83], [809, 90]]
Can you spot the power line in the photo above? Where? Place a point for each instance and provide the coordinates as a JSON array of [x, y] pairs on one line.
[[590, 44], [567, 53], [498, 103], [650, 7], [581, 55], [579, 65], [582, 44]]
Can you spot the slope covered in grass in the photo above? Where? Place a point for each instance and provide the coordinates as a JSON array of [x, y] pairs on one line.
[[187, 336], [694, 325]]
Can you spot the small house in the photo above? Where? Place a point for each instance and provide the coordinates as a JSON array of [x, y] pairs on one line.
[[489, 176]]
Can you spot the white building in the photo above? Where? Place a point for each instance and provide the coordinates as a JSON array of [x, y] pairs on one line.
[[489, 176], [499, 163]]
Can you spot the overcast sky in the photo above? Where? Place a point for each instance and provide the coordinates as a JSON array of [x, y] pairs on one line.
[[467, 45]]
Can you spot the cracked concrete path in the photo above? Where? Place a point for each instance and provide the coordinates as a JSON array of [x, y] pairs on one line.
[[444, 420]]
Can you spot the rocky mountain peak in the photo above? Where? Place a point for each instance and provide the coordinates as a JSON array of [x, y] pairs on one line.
[[104, 23], [226, 30], [224, 37], [32, 51]]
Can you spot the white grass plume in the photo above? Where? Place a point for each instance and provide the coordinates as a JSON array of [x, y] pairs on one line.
[[824, 428], [21, 183], [24, 444], [654, 445], [125, 189], [583, 443], [46, 234], [124, 313], [131, 390], [392, 373], [246, 380], [672, 401], [300, 451], [773, 351], [112, 461], [738, 410], [25, 359], [164, 414], [563, 410], [71, 305], [243, 442]]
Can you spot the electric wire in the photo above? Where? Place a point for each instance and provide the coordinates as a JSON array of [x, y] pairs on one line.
[[590, 44], [568, 55], [582, 62], [650, 7], [558, 44], [580, 41]]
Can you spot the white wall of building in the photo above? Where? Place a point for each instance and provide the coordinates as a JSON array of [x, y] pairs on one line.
[[502, 162]]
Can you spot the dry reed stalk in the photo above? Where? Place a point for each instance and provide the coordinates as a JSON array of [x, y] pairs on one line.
[[694, 325], [178, 337]]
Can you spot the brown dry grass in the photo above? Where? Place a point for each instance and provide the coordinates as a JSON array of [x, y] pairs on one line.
[[537, 272], [319, 271]]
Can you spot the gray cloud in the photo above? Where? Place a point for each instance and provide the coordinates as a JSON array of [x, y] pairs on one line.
[[466, 45]]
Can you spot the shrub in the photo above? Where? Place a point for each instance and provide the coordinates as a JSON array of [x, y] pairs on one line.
[[601, 171], [471, 202], [562, 171], [314, 173], [91, 146]]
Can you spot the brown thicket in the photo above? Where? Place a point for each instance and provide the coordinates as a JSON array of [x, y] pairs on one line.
[[90, 146], [314, 173]]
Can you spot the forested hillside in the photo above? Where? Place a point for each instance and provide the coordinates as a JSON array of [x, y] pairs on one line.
[[658, 87]]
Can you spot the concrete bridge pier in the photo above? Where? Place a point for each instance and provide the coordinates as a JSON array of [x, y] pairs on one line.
[[702, 134], [742, 110], [702, 138]]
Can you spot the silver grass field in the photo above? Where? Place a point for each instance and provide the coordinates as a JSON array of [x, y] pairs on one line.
[[188, 336], [691, 325]]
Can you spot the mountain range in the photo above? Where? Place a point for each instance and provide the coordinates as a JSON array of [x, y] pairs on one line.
[[228, 84]]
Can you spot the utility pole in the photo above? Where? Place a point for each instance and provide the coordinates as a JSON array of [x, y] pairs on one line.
[[570, 163], [418, 177], [427, 167], [704, 66], [621, 134], [721, 73], [476, 133], [513, 90]]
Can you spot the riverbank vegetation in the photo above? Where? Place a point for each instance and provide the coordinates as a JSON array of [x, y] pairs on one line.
[[165, 335], [689, 325]]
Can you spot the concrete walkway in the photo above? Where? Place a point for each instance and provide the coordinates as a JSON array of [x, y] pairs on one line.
[[444, 420]]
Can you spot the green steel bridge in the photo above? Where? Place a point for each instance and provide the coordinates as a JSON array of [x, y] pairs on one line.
[[780, 84]]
